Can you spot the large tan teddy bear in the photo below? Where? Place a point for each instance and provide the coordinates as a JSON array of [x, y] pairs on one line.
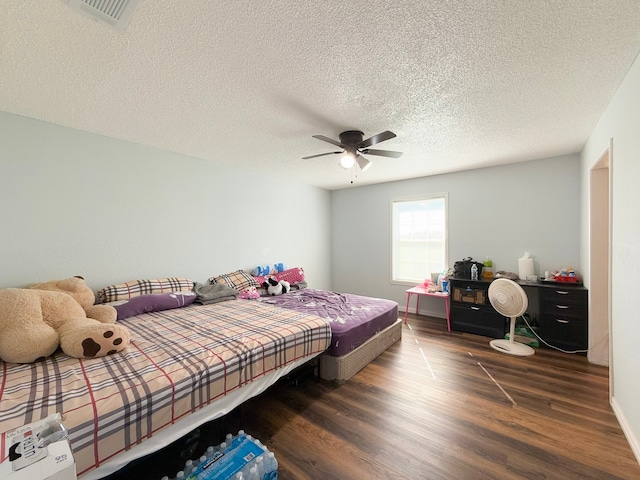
[[36, 320]]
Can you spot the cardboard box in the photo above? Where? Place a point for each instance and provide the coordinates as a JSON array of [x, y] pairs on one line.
[[38, 451]]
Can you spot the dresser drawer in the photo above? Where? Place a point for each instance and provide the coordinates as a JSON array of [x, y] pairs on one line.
[[477, 319], [466, 293], [569, 333], [563, 309], [563, 296]]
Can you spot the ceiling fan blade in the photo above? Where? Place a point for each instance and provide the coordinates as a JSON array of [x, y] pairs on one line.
[[329, 140], [382, 153], [381, 137], [320, 155]]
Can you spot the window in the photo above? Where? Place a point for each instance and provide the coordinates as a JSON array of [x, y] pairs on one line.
[[418, 238]]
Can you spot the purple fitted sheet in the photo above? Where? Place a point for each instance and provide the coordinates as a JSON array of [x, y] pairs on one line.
[[354, 318]]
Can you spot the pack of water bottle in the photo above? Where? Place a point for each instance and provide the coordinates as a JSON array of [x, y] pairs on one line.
[[238, 457]]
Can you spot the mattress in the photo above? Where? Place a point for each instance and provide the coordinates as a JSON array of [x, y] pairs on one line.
[[353, 318], [179, 364]]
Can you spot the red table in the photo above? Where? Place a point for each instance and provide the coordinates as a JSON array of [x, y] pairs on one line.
[[421, 290]]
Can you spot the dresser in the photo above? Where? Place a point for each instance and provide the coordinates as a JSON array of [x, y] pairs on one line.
[[563, 315], [559, 311], [471, 311]]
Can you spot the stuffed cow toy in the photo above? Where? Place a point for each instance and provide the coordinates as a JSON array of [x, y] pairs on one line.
[[275, 287]]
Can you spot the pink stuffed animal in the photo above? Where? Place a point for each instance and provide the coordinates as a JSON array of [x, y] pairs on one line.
[[249, 293]]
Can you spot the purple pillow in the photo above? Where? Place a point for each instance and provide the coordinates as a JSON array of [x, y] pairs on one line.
[[154, 302]]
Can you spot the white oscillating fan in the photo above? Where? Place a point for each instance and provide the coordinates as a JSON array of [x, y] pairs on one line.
[[509, 299]]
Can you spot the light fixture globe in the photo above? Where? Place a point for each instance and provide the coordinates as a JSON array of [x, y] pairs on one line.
[[348, 160]]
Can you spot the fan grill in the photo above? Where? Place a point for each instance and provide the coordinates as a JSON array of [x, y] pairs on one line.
[[507, 297]]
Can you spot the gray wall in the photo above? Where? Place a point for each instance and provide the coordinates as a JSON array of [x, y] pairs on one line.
[[112, 211], [620, 124], [498, 211]]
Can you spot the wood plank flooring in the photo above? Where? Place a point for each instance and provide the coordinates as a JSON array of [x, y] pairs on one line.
[[441, 405]]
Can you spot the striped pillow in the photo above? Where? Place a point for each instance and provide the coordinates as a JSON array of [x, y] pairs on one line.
[[135, 288], [239, 280]]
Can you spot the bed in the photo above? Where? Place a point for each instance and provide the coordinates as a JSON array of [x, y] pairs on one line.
[[183, 367], [361, 327]]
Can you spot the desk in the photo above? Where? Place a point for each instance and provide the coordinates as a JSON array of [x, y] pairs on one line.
[[420, 290], [559, 310]]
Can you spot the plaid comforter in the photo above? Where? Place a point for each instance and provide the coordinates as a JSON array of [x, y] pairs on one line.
[[178, 361]]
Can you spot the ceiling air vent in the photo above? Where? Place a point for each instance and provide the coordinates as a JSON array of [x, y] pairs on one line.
[[112, 12]]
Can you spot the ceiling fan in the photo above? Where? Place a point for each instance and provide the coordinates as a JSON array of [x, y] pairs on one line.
[[353, 146]]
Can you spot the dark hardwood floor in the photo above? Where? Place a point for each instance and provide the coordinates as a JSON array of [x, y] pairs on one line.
[[440, 405]]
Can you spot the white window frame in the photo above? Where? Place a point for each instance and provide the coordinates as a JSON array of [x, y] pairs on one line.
[[417, 198]]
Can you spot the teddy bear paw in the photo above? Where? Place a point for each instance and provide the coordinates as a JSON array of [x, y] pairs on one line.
[[94, 340], [109, 343]]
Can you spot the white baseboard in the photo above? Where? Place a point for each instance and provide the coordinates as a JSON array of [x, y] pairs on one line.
[[622, 420]]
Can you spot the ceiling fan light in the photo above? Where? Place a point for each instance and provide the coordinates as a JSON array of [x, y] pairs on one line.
[[363, 163], [347, 160]]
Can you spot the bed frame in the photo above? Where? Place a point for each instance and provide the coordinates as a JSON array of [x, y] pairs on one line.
[[341, 369], [184, 367]]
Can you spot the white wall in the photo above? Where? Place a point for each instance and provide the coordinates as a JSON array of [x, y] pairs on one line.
[[620, 123], [75, 203], [498, 211]]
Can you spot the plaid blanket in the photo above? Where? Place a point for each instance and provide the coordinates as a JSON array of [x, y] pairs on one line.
[[178, 361]]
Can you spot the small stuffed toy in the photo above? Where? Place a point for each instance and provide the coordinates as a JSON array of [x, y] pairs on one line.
[[279, 268], [264, 270], [35, 321], [275, 287], [250, 293]]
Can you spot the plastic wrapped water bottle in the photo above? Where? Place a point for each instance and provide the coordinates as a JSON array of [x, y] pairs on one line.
[[253, 474], [270, 467], [474, 272], [259, 466], [189, 467]]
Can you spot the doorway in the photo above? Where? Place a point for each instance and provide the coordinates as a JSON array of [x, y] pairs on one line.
[[600, 261]]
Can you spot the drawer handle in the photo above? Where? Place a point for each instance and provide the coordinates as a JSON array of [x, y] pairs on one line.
[[562, 292], [475, 308], [561, 321], [564, 307]]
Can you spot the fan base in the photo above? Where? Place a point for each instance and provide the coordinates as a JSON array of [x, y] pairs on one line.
[[512, 348], [351, 137]]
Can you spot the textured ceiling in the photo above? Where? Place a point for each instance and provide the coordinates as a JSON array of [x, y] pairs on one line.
[[463, 84]]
